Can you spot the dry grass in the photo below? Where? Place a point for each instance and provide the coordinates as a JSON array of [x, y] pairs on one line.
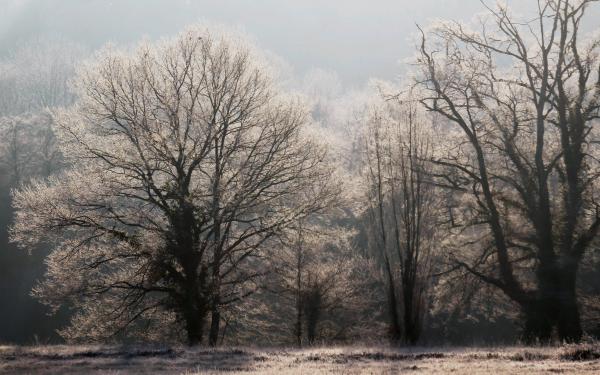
[[347, 360]]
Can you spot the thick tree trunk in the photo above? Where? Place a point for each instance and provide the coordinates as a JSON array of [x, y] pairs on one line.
[[569, 320], [541, 310], [195, 306], [194, 315], [553, 308], [538, 322], [193, 303], [194, 327]]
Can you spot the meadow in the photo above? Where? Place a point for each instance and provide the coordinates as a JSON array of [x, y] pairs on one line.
[[64, 359]]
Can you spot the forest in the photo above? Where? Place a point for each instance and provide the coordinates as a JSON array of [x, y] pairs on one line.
[[182, 191]]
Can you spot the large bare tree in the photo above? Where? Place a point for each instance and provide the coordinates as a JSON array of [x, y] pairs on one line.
[[521, 98], [186, 162]]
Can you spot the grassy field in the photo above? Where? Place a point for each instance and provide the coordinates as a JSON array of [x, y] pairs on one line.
[[339, 360]]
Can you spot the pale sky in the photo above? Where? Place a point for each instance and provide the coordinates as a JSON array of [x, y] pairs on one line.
[[358, 39]]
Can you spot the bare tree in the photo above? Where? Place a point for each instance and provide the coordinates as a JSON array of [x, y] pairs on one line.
[[186, 162], [403, 208], [33, 79], [28, 147], [317, 277], [35, 76], [521, 98]]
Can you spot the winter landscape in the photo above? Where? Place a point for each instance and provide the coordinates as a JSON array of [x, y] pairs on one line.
[[192, 187]]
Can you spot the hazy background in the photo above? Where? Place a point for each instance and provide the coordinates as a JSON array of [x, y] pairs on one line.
[[358, 39]]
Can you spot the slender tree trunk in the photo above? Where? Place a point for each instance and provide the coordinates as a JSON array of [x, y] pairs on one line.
[[395, 329], [224, 332], [213, 337], [299, 307], [298, 326], [215, 324]]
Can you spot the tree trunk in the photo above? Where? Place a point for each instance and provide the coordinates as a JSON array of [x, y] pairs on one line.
[[569, 320], [313, 313], [541, 310], [395, 330], [298, 327], [194, 322], [538, 323], [298, 324], [213, 337], [194, 328], [193, 303], [299, 301], [411, 329], [195, 307], [215, 324]]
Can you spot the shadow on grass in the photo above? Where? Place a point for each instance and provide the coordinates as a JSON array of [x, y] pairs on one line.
[[80, 359]]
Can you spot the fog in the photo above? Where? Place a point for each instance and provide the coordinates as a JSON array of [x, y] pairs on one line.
[[357, 39]]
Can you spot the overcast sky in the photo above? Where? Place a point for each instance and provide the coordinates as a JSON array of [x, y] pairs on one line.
[[358, 39]]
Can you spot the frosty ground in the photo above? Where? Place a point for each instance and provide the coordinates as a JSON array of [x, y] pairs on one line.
[[347, 360]]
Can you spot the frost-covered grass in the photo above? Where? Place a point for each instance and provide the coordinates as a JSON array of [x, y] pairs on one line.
[[62, 359]]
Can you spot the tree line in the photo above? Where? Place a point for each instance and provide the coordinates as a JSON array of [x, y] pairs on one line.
[[185, 194]]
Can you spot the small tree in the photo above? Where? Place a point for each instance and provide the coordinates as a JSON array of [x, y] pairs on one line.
[[403, 209], [28, 148], [186, 162], [315, 280]]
